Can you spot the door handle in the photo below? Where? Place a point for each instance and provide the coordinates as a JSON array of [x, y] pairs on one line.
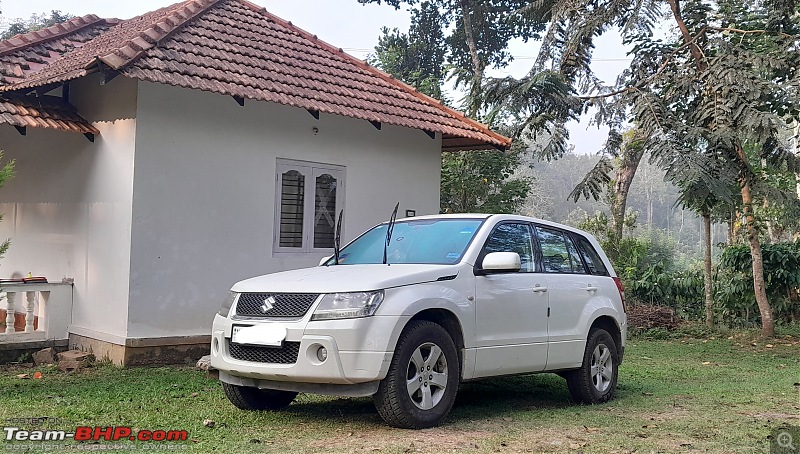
[[539, 289], [590, 288]]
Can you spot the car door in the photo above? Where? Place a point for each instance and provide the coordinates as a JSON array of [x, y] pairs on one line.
[[571, 289], [511, 308]]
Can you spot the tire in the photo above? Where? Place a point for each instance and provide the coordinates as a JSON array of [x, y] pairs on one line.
[[596, 380], [408, 399], [254, 399]]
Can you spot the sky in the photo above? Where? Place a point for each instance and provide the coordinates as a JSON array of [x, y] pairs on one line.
[[347, 24]]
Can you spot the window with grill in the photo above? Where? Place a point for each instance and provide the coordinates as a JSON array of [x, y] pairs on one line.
[[292, 197], [309, 198]]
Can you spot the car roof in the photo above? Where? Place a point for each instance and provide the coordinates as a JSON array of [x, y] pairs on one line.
[[498, 217]]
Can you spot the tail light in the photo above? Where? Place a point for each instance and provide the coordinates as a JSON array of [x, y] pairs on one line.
[[621, 292]]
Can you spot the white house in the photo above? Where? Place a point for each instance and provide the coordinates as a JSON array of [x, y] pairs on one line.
[[161, 159]]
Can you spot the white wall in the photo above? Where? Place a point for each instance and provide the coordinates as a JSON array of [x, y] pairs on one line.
[[68, 209], [203, 203]]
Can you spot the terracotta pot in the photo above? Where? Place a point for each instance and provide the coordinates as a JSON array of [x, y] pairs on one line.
[[19, 321]]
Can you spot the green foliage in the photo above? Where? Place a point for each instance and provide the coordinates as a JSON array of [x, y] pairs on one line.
[[493, 24], [474, 181], [734, 289], [6, 173], [646, 264], [481, 182], [416, 57], [680, 290], [35, 22]]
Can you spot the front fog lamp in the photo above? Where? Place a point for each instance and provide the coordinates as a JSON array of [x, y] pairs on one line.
[[227, 304], [348, 305]]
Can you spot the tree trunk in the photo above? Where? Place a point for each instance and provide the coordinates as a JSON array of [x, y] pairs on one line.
[[477, 65], [631, 155], [707, 269], [767, 322]]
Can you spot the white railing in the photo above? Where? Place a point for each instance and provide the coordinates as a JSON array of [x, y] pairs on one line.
[[47, 310]]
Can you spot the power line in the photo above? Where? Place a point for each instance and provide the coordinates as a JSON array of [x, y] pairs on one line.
[[515, 57]]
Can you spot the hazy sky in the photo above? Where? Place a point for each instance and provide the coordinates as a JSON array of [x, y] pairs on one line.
[[343, 23]]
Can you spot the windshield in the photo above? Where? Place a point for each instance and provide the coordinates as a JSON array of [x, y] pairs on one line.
[[424, 241]]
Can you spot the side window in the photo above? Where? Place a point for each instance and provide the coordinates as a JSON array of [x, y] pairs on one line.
[[592, 258], [559, 254], [512, 238], [307, 200]]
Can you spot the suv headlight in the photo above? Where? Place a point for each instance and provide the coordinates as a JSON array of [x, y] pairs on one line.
[[348, 305], [227, 304]]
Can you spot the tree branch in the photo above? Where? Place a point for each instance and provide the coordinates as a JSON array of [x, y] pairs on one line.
[[649, 78], [754, 32], [697, 54]]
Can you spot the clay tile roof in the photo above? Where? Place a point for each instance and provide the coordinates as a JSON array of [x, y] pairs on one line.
[[236, 48], [23, 55], [42, 112]]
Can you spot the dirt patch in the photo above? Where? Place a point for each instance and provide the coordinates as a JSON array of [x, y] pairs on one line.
[[437, 439]]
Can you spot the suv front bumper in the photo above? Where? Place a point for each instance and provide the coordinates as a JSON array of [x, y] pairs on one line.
[[358, 351]]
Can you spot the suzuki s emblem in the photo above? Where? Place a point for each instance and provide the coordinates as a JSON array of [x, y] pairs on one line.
[[269, 303]]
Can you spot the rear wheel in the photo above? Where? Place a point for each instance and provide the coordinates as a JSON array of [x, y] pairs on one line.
[[249, 398], [421, 385], [596, 381]]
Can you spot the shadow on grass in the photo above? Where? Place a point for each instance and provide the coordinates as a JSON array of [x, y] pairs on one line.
[[491, 398]]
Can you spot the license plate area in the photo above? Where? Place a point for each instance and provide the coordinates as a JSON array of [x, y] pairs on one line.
[[266, 335]]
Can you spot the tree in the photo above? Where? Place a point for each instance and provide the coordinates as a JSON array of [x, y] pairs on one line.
[[478, 35], [417, 57], [696, 196], [6, 173], [726, 86], [481, 182], [477, 181], [626, 150], [35, 22]]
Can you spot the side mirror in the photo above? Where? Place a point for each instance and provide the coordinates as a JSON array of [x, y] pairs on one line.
[[324, 259], [501, 262]]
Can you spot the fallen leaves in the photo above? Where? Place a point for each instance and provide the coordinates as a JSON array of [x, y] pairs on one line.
[[210, 423]]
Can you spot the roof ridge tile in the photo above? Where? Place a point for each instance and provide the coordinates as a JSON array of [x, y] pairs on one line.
[[49, 33], [174, 18]]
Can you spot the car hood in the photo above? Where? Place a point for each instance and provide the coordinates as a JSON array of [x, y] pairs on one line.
[[345, 278]]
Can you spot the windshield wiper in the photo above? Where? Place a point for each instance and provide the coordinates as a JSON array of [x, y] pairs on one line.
[[389, 233], [337, 238]]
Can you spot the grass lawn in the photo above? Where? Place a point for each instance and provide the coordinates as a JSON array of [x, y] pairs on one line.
[[723, 393]]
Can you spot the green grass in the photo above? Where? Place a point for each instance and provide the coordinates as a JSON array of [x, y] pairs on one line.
[[715, 394]]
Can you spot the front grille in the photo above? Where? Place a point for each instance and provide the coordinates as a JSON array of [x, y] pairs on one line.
[[284, 305], [271, 355]]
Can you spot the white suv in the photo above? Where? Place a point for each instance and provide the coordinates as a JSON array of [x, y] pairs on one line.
[[411, 308]]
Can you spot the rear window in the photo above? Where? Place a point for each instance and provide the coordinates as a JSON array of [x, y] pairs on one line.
[[559, 254], [592, 258]]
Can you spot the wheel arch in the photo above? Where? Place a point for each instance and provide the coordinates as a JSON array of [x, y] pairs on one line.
[[450, 322], [609, 324]]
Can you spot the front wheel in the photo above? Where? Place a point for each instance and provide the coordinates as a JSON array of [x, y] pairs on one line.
[[421, 385], [254, 399], [596, 381]]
